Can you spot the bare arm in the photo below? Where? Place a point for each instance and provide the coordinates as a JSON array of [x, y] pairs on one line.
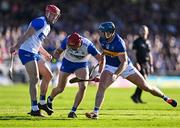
[[24, 37], [43, 51], [100, 58], [101, 61], [47, 56], [151, 63], [150, 59], [124, 62]]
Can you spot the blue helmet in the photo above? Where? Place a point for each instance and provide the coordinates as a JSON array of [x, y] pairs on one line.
[[107, 27]]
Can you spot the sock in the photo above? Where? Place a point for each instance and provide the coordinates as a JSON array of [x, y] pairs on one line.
[[170, 101], [34, 105], [49, 99], [73, 109], [42, 99], [165, 98], [96, 110]]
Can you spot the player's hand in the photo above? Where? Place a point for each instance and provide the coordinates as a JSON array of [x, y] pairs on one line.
[[97, 77], [13, 50], [48, 57], [114, 77], [56, 54], [138, 67]]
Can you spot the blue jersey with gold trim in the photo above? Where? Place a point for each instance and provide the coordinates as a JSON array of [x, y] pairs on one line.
[[113, 49]]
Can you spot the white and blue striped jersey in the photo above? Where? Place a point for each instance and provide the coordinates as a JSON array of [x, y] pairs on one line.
[[82, 54], [33, 43]]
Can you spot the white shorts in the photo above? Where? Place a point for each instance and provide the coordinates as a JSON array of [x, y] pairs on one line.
[[130, 69]]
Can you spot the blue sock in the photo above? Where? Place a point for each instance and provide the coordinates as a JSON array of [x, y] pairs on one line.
[[73, 109], [42, 97], [96, 109], [34, 105], [34, 102]]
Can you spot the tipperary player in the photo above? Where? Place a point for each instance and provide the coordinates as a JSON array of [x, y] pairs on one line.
[[30, 45], [118, 64], [75, 60]]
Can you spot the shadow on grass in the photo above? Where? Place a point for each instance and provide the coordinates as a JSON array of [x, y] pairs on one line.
[[34, 118]]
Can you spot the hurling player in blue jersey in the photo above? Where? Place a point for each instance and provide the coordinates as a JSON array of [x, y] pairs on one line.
[[29, 46], [118, 64], [75, 60]]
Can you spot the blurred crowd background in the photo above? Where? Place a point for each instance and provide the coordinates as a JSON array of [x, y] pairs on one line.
[[84, 16]]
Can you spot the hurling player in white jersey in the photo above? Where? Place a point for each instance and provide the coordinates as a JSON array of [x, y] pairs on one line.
[[118, 64], [77, 50], [29, 46]]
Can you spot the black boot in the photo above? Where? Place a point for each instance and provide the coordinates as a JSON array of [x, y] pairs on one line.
[[45, 108], [72, 115], [36, 113], [136, 96]]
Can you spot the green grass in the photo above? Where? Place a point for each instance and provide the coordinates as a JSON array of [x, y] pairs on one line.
[[117, 110]]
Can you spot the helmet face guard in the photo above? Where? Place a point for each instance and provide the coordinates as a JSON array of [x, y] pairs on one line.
[[74, 41], [106, 35], [52, 13], [107, 29]]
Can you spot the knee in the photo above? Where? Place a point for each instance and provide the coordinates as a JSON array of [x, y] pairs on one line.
[[48, 77], [34, 80], [59, 90]]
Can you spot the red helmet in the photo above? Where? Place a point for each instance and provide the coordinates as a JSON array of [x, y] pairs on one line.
[[74, 39], [52, 10]]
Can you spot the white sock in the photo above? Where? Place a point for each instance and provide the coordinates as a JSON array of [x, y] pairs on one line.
[[42, 102], [35, 108]]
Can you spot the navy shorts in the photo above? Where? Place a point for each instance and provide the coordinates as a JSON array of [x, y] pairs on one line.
[[71, 67], [26, 56]]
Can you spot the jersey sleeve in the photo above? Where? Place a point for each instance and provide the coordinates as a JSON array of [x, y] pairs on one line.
[[64, 43], [92, 50], [37, 24], [122, 48]]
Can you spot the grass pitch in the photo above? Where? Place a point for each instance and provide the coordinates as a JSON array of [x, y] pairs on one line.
[[117, 111]]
